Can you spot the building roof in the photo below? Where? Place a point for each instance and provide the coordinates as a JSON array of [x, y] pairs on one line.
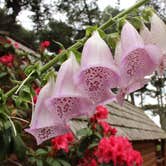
[[130, 122]]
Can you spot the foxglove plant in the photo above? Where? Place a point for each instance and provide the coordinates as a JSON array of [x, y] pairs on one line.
[[43, 124], [57, 103], [135, 61], [98, 72], [156, 35]]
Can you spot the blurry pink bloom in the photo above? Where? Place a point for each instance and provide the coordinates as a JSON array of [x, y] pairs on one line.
[[62, 142], [157, 36], [37, 90], [117, 150], [7, 60], [101, 113], [107, 129], [98, 73], [45, 44], [16, 45], [135, 60]]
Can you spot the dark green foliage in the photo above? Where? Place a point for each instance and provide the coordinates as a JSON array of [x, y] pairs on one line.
[[59, 32], [79, 12]]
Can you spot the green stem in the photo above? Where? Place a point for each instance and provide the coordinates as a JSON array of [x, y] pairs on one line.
[[123, 13], [24, 81], [81, 42]]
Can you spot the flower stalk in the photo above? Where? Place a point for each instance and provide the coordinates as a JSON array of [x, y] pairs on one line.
[[79, 44]]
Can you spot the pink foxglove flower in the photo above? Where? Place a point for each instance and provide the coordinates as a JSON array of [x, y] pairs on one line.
[[43, 124], [98, 72], [135, 60], [157, 36], [67, 101]]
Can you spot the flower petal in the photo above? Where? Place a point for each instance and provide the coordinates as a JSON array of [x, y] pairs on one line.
[[136, 65], [137, 84], [68, 101], [65, 85], [130, 39], [158, 30], [96, 82], [67, 108], [96, 52], [98, 72], [45, 133], [118, 53], [146, 35], [41, 117]]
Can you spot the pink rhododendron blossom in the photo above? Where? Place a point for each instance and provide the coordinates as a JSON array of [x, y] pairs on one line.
[[7, 60], [98, 73], [107, 129], [37, 90], [62, 142], [156, 35], [101, 113], [117, 150], [135, 60], [45, 44]]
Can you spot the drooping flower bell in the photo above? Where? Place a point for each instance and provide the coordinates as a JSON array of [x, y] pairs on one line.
[[156, 35], [98, 72], [57, 103], [67, 101], [135, 60], [43, 124]]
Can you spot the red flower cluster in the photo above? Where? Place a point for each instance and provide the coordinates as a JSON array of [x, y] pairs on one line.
[[107, 129], [7, 60], [45, 44], [101, 113], [37, 91], [117, 150], [62, 142]]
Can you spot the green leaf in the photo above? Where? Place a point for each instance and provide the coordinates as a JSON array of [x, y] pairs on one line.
[[84, 132], [63, 162], [77, 55], [59, 44], [39, 162], [52, 162], [102, 33], [3, 74], [41, 152], [19, 147], [90, 29], [93, 145]]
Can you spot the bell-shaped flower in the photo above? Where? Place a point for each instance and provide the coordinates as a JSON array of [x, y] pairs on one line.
[[156, 35], [67, 101], [98, 72], [132, 85], [43, 124], [135, 61]]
